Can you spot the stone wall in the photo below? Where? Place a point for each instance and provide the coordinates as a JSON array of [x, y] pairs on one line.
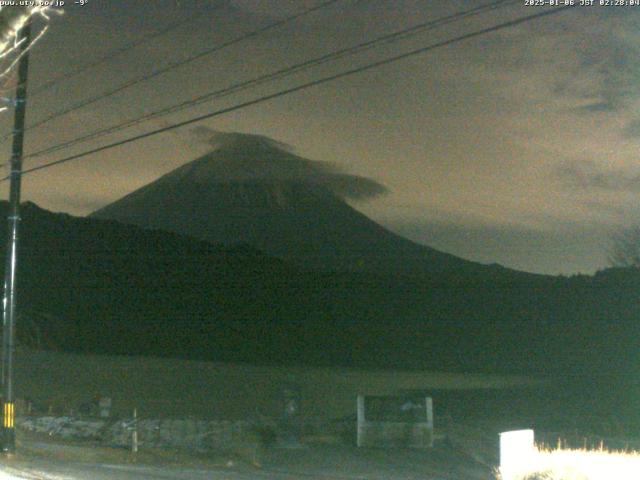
[[191, 434]]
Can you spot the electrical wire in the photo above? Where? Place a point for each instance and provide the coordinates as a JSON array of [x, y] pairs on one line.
[[174, 65], [113, 54], [277, 75], [303, 86]]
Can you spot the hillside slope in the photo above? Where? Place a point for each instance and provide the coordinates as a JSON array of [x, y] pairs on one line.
[[87, 285]]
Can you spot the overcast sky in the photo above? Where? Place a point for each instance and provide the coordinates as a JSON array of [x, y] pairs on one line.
[[518, 147]]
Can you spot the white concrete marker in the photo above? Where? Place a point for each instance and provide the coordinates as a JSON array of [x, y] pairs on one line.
[[517, 453]]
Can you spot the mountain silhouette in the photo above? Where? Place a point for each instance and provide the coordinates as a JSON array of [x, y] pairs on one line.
[[251, 189]]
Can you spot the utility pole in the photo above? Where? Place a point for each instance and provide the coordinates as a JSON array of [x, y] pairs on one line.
[[9, 302]]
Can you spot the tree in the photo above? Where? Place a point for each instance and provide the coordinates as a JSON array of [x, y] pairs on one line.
[[625, 248]]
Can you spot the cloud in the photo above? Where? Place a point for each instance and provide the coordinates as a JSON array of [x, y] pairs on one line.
[[589, 175], [246, 157], [589, 56], [609, 55], [217, 139], [596, 107], [632, 129]]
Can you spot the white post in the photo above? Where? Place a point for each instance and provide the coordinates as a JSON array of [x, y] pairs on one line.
[[517, 453], [134, 434], [428, 403], [361, 420]]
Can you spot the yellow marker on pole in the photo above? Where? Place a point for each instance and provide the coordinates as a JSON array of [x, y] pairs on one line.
[[9, 415]]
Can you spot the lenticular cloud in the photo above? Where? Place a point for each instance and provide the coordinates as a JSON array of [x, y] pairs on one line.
[[244, 157]]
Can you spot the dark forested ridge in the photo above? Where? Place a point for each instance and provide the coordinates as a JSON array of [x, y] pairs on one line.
[[90, 285]]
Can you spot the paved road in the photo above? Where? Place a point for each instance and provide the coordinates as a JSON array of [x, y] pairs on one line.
[[317, 463], [64, 470], [57, 470]]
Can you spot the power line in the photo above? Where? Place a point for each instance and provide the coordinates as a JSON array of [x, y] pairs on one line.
[[303, 86], [279, 74], [174, 65], [113, 54]]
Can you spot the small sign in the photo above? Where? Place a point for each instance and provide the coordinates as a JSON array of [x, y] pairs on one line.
[[105, 407]]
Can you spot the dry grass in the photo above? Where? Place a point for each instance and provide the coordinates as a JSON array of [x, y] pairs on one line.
[[565, 464]]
